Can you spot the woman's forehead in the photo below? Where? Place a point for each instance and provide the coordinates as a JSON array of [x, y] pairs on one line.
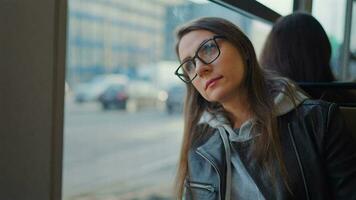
[[191, 41]]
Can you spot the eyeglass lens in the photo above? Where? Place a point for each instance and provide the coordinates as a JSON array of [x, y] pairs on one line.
[[207, 53]]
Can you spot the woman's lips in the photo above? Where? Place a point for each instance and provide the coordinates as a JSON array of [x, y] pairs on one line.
[[211, 82]]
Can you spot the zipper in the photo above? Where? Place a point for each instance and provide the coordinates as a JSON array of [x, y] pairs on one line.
[[214, 166], [203, 186]]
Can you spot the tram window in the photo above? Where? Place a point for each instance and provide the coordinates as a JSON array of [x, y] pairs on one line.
[[333, 25], [283, 7], [121, 135]]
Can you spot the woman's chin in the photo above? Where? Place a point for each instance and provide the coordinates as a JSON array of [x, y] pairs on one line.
[[215, 97]]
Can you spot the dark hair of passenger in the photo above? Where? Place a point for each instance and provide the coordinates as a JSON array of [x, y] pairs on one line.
[[298, 48], [258, 85]]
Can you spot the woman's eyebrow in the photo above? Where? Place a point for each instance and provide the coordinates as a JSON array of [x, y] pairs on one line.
[[195, 52]]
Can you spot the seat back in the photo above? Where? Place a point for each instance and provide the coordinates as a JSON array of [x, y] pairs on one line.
[[347, 102], [349, 114], [342, 93]]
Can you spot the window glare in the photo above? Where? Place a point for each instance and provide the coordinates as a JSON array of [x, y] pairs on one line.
[[333, 25], [353, 29], [199, 1], [283, 7]]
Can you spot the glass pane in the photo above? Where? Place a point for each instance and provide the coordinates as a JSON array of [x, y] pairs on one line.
[[333, 24], [123, 109], [283, 7]]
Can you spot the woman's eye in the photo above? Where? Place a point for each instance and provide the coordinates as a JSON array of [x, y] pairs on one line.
[[189, 67], [208, 49]]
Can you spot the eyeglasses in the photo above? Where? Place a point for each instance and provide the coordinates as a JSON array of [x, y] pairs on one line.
[[207, 53]]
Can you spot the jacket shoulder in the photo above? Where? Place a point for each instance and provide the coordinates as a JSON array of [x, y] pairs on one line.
[[317, 104], [311, 119], [316, 108]]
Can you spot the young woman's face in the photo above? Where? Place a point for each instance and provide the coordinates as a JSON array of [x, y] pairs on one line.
[[219, 81]]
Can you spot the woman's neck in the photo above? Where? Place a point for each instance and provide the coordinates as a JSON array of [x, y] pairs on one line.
[[238, 110]]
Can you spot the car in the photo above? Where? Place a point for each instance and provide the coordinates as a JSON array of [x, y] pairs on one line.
[[133, 96], [175, 99], [143, 95], [115, 96], [90, 91]]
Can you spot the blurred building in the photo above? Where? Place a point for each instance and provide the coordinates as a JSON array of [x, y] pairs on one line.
[[117, 36], [110, 36]]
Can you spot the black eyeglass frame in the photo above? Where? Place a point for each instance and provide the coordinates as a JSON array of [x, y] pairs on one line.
[[180, 76]]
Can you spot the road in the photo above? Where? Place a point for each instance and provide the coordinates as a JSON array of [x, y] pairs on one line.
[[118, 154]]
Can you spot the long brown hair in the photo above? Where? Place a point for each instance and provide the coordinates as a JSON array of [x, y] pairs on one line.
[[258, 85]]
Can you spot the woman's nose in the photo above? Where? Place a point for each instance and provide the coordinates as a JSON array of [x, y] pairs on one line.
[[201, 68]]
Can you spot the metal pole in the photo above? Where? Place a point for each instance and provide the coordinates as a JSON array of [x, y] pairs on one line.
[[303, 5], [345, 54]]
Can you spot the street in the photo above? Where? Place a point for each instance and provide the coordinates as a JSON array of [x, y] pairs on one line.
[[118, 154]]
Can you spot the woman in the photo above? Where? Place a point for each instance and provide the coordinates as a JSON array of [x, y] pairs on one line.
[[298, 48], [249, 134]]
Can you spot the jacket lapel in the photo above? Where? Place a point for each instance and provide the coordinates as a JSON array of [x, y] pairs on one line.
[[213, 149]]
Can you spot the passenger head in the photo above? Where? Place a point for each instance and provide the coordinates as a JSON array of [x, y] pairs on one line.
[[236, 61], [298, 48]]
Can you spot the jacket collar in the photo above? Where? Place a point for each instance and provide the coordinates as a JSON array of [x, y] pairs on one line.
[[283, 105]]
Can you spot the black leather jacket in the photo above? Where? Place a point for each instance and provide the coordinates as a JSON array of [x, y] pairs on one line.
[[319, 153]]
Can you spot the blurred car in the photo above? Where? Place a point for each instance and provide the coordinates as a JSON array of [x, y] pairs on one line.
[[175, 99], [115, 96], [143, 94], [91, 91], [133, 96]]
